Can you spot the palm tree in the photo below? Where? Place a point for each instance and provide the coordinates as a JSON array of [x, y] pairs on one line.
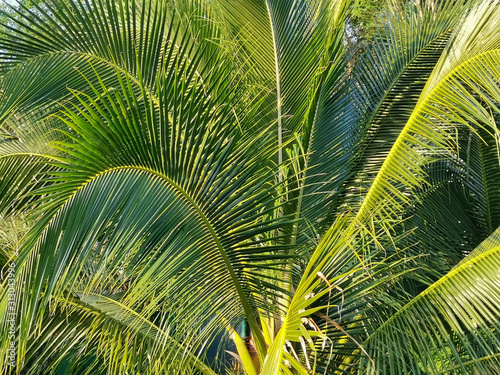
[[182, 171]]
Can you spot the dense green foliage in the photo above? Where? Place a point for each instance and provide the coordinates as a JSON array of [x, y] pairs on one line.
[[173, 171], [364, 17]]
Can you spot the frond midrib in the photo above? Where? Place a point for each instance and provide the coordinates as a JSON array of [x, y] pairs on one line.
[[278, 88]]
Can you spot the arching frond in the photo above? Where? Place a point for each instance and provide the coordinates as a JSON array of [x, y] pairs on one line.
[[450, 328], [364, 112], [447, 99]]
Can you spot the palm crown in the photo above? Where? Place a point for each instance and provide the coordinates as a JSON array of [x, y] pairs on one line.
[[172, 170]]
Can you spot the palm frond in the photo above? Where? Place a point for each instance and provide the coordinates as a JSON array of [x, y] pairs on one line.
[[449, 328], [426, 134], [365, 110], [334, 305]]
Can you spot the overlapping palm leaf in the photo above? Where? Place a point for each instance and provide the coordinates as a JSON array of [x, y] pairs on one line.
[[183, 126], [188, 165], [426, 134], [447, 102], [450, 328], [366, 109]]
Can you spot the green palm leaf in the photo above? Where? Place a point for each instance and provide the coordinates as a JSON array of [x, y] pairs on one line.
[[184, 167], [365, 111], [422, 137], [449, 328]]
